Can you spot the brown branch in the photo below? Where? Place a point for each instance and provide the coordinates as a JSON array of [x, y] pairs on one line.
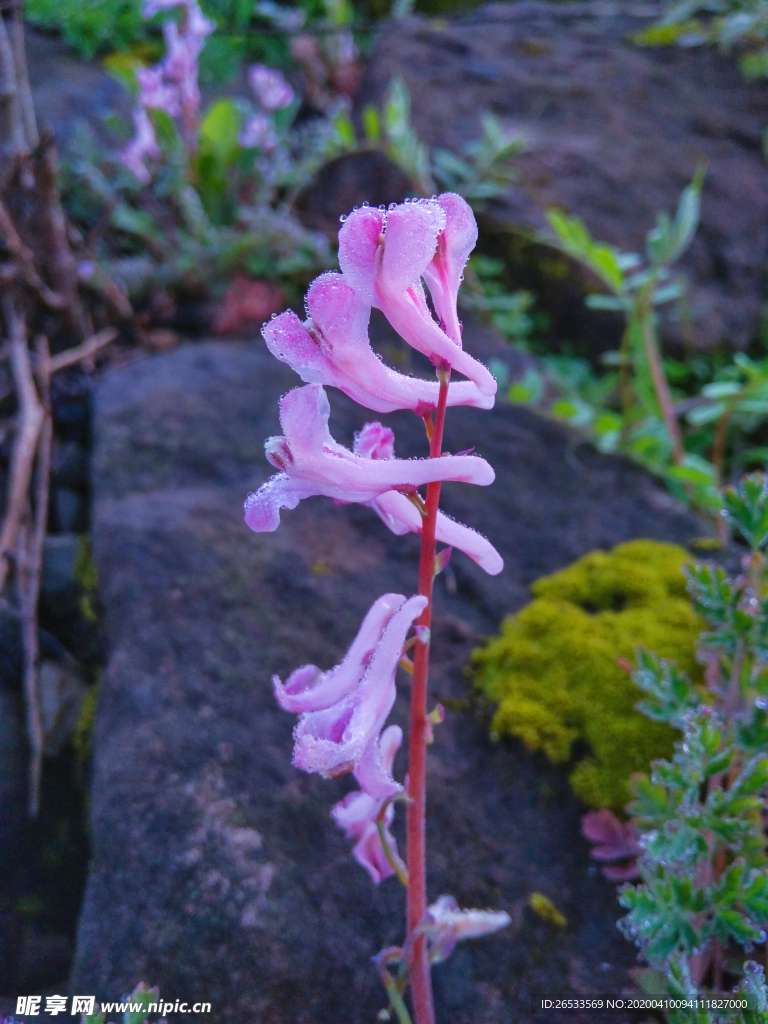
[[23, 88], [10, 90], [31, 416], [29, 572], [88, 348], [25, 258]]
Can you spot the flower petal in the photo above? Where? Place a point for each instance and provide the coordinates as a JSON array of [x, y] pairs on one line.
[[333, 741], [444, 273], [262, 507], [358, 248], [309, 689], [333, 348], [400, 515]]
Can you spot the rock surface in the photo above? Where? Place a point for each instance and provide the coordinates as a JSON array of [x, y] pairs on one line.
[[67, 89], [614, 132], [217, 872]]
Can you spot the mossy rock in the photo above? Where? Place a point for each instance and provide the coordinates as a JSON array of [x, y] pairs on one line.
[[556, 668]]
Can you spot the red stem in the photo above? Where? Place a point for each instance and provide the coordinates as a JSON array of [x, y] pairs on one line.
[[418, 966]]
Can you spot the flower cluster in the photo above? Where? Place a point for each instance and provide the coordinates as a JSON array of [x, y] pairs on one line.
[[273, 93], [171, 85], [384, 256]]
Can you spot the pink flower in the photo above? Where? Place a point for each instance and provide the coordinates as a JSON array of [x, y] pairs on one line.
[[309, 689], [271, 89], [358, 811], [312, 463], [400, 515], [180, 64], [332, 348], [384, 256], [156, 93], [257, 131], [444, 274], [142, 147], [344, 737], [445, 925]]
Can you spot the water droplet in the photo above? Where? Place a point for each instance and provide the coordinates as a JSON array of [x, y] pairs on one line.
[[355, 209], [382, 207], [392, 206], [343, 218], [366, 205], [273, 316], [434, 197]]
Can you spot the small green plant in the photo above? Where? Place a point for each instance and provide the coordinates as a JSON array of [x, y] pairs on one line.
[[556, 675], [482, 171], [485, 294], [729, 24], [695, 435], [703, 896]]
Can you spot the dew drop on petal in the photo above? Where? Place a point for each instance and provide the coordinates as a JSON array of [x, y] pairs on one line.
[[343, 218]]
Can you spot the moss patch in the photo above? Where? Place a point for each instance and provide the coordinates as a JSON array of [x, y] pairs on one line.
[[555, 667]]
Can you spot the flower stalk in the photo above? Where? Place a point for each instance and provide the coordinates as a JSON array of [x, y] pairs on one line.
[[419, 972]]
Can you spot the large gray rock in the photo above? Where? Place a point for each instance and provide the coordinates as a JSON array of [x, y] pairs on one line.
[[613, 132], [217, 872]]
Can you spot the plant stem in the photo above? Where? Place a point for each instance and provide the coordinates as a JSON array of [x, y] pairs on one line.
[[660, 382], [418, 964]]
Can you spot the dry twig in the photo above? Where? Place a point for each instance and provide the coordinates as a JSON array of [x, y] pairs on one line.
[[80, 353], [31, 417]]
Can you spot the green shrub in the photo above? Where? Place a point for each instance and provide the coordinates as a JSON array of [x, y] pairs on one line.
[[555, 670]]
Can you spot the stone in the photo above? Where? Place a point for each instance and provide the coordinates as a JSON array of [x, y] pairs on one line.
[[68, 509], [61, 691], [59, 560], [68, 90], [613, 133], [217, 872]]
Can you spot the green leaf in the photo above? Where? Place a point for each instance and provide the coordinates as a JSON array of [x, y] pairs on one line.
[[371, 124], [576, 240], [746, 509], [220, 131]]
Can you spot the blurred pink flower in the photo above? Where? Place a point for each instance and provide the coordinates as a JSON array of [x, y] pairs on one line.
[[142, 147], [332, 348], [344, 737], [155, 93], [445, 925], [257, 131], [271, 89], [384, 256], [358, 811], [312, 463], [401, 516]]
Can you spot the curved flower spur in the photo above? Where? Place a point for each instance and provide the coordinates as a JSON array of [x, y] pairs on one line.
[[332, 348], [344, 710], [312, 463], [385, 255]]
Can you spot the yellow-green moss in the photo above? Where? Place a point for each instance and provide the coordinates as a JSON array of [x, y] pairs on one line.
[[554, 669], [82, 732], [544, 908]]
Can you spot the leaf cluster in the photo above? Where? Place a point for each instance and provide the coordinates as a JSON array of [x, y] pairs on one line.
[[704, 871]]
